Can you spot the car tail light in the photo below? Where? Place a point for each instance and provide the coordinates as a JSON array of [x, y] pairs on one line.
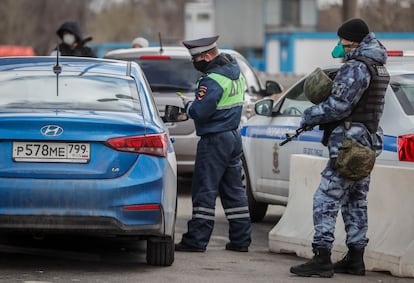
[[155, 145], [142, 207], [155, 57], [406, 148]]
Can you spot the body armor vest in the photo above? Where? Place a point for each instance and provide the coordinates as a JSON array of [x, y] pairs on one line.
[[371, 105]]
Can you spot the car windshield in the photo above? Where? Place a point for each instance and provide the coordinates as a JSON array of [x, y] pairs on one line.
[[167, 75], [403, 86], [85, 92], [295, 101], [249, 75]]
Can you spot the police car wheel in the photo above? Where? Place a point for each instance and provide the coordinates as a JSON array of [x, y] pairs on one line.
[[257, 209]]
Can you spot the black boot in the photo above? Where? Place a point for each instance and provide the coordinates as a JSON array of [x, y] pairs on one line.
[[319, 265], [352, 263]]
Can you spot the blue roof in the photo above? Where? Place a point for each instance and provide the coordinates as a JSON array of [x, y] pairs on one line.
[[71, 64]]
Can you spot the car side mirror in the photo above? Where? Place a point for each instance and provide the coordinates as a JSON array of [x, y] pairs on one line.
[[273, 87], [264, 107], [174, 113]]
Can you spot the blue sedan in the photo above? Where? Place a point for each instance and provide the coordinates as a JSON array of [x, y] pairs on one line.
[[84, 150]]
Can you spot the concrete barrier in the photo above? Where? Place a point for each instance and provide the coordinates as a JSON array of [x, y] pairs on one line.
[[390, 217]]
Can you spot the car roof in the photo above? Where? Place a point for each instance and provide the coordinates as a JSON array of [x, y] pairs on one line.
[[400, 67], [172, 51], [393, 66], [68, 63]]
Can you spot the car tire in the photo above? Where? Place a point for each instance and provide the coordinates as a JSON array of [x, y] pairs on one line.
[[257, 209], [160, 251]]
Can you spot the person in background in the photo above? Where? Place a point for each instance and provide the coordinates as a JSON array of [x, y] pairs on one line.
[[72, 42], [139, 42], [351, 112], [216, 112]]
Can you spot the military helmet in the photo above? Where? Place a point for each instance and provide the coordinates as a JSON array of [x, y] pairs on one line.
[[317, 86]]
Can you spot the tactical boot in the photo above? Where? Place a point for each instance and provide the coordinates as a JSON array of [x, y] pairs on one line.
[[352, 263], [320, 265]]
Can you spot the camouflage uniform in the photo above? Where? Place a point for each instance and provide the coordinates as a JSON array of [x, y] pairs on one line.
[[336, 192]]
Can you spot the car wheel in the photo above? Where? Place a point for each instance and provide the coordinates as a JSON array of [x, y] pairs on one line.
[[160, 251], [257, 209]]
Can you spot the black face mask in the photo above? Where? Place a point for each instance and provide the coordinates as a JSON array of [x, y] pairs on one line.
[[200, 65]]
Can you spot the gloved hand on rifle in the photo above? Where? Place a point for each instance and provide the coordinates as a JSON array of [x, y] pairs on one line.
[[305, 126]]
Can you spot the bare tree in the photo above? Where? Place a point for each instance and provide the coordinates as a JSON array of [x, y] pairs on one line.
[[350, 9], [34, 22], [379, 17], [122, 21], [377, 13]]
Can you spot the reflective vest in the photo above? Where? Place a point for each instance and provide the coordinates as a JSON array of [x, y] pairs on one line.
[[233, 90]]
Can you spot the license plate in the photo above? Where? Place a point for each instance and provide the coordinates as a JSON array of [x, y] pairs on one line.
[[51, 152]]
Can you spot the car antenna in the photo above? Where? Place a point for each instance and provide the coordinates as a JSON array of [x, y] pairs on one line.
[[159, 36], [57, 69]]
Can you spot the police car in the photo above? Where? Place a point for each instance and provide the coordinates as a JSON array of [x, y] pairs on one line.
[[266, 163]]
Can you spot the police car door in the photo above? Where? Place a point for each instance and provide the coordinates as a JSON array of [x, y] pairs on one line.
[[286, 120]]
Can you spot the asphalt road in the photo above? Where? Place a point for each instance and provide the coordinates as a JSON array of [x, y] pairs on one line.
[[83, 259]]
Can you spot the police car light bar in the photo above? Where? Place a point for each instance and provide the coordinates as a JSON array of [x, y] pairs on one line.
[[400, 53]]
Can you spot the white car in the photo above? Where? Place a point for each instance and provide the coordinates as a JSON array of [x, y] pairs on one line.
[[170, 70], [266, 163]]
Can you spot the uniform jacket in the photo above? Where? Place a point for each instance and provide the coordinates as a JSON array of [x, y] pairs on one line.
[[79, 51], [350, 83], [207, 118]]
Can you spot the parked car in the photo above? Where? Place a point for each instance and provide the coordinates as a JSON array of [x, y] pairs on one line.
[[85, 151], [170, 70], [266, 164]]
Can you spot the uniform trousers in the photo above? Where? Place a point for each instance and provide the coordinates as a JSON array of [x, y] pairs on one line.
[[337, 193], [218, 172]]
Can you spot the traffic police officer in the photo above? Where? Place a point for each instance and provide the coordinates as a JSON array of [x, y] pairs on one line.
[[216, 111], [351, 111]]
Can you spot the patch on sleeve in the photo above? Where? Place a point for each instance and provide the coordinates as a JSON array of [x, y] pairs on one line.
[[201, 92]]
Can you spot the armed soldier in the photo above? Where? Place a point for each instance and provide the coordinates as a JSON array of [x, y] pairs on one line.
[[349, 116]]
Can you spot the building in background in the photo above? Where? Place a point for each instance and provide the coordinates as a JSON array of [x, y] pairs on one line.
[[276, 36], [245, 25], [199, 20]]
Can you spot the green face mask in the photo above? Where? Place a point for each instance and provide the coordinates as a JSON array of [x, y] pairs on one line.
[[338, 51]]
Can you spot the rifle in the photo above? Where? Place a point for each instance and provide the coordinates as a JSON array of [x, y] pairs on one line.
[[291, 137]]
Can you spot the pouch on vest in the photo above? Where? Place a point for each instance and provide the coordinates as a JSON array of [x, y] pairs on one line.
[[355, 161]]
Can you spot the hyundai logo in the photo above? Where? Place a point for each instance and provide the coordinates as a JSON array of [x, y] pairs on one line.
[[51, 131]]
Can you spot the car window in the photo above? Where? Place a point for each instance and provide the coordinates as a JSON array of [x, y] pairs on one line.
[[88, 92], [295, 101], [170, 74], [403, 87], [249, 75]]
